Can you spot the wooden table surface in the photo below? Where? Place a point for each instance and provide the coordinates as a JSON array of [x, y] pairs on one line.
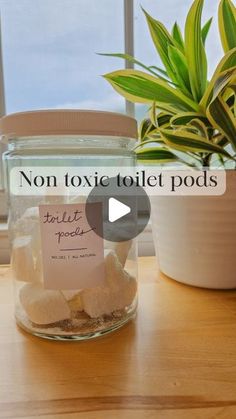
[[176, 361]]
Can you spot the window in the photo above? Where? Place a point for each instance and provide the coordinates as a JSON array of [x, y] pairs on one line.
[[49, 50]]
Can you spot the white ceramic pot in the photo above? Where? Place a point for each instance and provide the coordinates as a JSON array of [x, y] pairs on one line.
[[195, 237]]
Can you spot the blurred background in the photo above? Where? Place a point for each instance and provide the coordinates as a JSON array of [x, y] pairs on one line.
[[49, 49]]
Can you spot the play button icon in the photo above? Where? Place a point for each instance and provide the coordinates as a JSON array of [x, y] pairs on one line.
[[117, 210], [126, 210]]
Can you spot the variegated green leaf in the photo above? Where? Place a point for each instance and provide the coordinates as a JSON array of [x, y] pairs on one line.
[[200, 127], [155, 154], [159, 118], [223, 119], [177, 34], [195, 52], [137, 86], [227, 24], [161, 39], [153, 114], [184, 118], [228, 62], [178, 37], [140, 64], [220, 140], [229, 98], [145, 127], [159, 70], [224, 82], [163, 119], [156, 139], [179, 63], [186, 141], [205, 30]]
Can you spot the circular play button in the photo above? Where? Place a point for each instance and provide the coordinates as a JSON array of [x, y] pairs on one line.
[[126, 210]]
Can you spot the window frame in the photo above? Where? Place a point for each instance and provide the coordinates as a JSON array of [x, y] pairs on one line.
[[129, 44]]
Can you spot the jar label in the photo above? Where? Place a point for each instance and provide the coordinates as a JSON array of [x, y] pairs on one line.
[[72, 252]]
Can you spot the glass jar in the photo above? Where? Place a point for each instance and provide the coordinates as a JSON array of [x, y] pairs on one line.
[[76, 294]]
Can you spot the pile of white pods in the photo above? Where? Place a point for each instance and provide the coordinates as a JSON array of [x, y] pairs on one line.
[[44, 306]]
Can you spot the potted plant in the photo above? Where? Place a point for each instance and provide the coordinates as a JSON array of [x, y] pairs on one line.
[[192, 121]]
